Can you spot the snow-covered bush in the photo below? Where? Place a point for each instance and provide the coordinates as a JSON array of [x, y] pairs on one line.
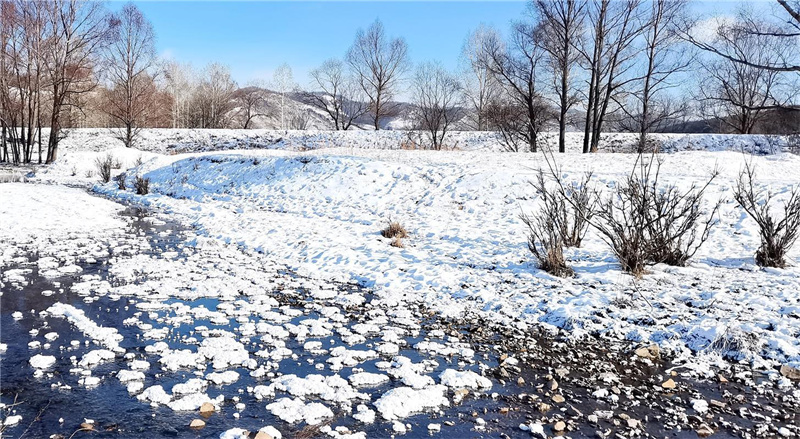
[[777, 235]]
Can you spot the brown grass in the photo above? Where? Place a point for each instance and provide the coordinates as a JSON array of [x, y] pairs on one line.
[[394, 230]]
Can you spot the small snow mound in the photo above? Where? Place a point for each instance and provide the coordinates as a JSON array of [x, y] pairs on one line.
[[404, 401], [294, 410], [461, 379]]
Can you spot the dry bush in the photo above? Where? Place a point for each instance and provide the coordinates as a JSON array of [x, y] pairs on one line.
[[545, 234], [142, 185], [104, 166], [394, 230], [777, 235], [580, 202], [643, 222], [647, 223], [121, 181], [677, 224], [397, 242]]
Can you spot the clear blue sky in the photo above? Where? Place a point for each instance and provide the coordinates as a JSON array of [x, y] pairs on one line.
[[253, 38]]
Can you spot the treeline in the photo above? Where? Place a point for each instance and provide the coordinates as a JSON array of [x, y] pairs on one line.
[[593, 65]]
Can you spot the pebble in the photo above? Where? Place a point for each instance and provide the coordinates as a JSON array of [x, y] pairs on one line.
[[668, 384], [197, 423]]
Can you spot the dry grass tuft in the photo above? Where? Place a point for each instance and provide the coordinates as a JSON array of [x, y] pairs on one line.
[[394, 230]]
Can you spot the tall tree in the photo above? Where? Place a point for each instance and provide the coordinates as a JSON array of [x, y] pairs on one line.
[[665, 57], [338, 95], [562, 22], [131, 58], [478, 85], [609, 52], [379, 64], [283, 81], [737, 94], [436, 96], [522, 113], [251, 103], [80, 31]]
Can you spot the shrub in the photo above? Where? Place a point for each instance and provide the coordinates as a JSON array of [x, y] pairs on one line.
[[545, 229], [142, 185], [579, 204], [394, 230], [104, 166], [777, 235], [647, 223], [121, 181], [642, 221], [677, 224]]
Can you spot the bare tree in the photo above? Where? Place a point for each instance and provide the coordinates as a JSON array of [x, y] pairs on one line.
[[179, 80], [609, 52], [665, 57], [478, 85], [212, 99], [25, 36], [131, 59], [80, 30], [283, 81], [738, 94], [251, 104], [339, 95], [562, 22], [379, 64], [436, 95], [787, 28], [522, 112]]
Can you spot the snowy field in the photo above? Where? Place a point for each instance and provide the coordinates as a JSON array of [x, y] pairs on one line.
[[313, 204]]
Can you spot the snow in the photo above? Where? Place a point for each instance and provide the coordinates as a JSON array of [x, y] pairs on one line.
[[33, 213], [108, 337], [155, 394], [467, 248], [467, 378], [227, 377], [12, 420], [367, 379], [295, 410], [40, 361], [402, 402], [319, 214]]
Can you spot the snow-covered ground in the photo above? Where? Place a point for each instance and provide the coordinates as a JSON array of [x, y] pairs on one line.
[[321, 212], [318, 210]]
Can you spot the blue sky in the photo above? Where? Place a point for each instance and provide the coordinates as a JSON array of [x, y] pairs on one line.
[[253, 38]]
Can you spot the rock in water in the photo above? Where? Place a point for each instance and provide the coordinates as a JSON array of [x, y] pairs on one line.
[[704, 431], [207, 409], [790, 372], [668, 384], [197, 423]]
